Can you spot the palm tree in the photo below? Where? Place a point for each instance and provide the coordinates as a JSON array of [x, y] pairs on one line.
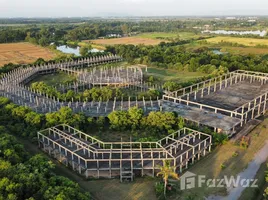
[[167, 171]]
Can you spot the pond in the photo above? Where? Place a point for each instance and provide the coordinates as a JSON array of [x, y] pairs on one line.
[[218, 52], [74, 50], [223, 32]]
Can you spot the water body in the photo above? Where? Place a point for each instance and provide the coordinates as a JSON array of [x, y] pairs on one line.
[[223, 32], [218, 52], [74, 50]]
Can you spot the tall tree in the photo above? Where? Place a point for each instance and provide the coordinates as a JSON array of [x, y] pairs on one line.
[[167, 171]]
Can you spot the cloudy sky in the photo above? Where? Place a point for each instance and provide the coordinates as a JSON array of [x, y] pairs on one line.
[[89, 8]]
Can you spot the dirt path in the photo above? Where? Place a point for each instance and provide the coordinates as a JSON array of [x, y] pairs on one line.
[[249, 173]]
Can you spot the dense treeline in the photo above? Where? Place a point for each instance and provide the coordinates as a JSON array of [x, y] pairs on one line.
[[45, 31], [10, 35], [178, 57]]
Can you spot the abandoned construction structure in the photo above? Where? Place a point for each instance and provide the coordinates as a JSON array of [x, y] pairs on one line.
[[14, 86], [225, 103], [91, 157]]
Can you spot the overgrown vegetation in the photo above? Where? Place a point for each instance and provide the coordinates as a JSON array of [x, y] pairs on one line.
[[26, 177], [93, 94]]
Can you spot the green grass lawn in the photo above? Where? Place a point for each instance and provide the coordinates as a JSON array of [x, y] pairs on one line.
[[169, 35], [140, 189], [173, 75], [54, 79]]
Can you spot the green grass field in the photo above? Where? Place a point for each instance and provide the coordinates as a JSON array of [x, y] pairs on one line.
[[86, 43], [163, 35], [140, 189], [54, 79], [230, 49], [173, 75], [245, 50]]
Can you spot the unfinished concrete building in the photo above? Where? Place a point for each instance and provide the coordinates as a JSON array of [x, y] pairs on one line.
[[91, 157], [225, 103]]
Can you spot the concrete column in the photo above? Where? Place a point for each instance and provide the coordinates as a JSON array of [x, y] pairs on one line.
[[246, 117], [253, 109], [193, 156], [264, 104], [199, 149], [187, 157]]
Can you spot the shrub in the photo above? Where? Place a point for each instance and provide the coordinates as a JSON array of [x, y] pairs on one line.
[[223, 166]]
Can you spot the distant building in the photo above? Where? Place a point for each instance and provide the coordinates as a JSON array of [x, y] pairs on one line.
[[114, 35], [230, 18], [206, 26]]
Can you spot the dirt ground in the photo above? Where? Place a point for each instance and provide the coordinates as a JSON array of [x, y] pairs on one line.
[[22, 53], [127, 40]]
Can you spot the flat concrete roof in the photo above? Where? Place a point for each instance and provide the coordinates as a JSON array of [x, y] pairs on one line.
[[204, 117]]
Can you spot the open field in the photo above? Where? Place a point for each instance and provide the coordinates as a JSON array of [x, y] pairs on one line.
[[245, 50], [54, 79], [140, 189], [127, 40], [145, 38], [233, 50], [85, 43], [243, 41], [173, 75], [210, 166], [22, 53], [162, 35]]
